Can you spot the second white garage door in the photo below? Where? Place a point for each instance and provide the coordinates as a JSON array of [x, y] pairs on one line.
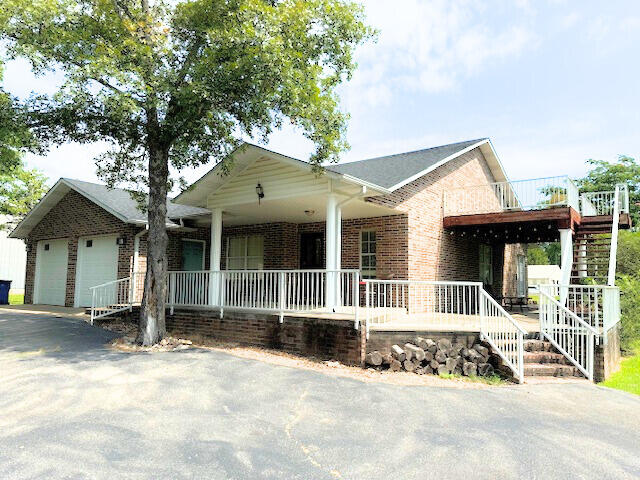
[[97, 264]]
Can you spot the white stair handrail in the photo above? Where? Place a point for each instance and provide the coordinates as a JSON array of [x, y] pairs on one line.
[[110, 297], [567, 332], [503, 333]]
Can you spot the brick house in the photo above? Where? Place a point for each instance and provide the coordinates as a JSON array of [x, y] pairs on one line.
[[273, 253]]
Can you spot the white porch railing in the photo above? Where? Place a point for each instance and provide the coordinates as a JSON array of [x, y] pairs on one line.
[[439, 305], [567, 332], [408, 304], [280, 291], [532, 194]]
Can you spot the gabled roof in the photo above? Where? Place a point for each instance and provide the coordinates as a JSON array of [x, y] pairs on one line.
[[381, 175], [394, 171], [116, 201]]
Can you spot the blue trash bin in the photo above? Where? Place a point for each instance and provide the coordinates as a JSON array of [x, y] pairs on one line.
[[5, 286]]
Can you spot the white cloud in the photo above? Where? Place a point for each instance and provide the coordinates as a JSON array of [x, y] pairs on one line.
[[433, 46]]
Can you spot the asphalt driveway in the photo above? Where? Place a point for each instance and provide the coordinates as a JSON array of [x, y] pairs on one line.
[[69, 408]]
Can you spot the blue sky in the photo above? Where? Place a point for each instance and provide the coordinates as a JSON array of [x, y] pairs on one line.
[[551, 82]]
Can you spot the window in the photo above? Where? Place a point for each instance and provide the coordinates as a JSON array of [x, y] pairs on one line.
[[245, 253], [486, 264], [368, 254]]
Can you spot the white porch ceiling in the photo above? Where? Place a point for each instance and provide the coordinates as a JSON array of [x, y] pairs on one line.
[[292, 210]]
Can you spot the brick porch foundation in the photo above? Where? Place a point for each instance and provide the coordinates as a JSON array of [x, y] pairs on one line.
[[607, 356], [313, 337]]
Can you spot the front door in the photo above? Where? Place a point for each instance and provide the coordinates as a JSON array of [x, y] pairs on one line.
[[192, 256], [311, 251]]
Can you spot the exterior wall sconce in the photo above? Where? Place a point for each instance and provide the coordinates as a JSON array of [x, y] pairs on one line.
[[121, 241], [259, 192]]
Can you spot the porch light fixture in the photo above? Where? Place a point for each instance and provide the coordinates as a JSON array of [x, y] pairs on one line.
[[121, 241], [309, 213], [260, 192]]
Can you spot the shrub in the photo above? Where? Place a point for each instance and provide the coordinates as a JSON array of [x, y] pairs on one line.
[[630, 311]]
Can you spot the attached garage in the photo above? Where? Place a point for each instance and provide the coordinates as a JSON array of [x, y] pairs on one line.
[[97, 264], [97, 235], [51, 272]]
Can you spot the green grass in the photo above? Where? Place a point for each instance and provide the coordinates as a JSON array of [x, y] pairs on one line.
[[16, 299], [628, 378]]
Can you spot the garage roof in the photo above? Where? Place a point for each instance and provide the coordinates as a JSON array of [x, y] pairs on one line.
[[116, 201]]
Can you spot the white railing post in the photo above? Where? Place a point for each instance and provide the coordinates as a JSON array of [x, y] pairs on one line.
[[223, 289], [93, 305], [367, 309], [356, 298], [520, 357], [282, 276]]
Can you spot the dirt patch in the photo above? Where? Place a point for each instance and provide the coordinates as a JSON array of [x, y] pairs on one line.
[[177, 342]]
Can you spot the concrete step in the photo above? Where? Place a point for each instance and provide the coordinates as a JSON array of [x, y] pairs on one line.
[[545, 357], [550, 370], [537, 346]]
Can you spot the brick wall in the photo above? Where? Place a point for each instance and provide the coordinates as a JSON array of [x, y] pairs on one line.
[[282, 243], [434, 253], [324, 339]]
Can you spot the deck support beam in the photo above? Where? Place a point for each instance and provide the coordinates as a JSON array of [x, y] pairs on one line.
[[566, 261]]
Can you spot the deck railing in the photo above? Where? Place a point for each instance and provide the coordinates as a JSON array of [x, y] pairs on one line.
[[408, 304], [279, 291], [532, 194], [567, 332], [603, 203]]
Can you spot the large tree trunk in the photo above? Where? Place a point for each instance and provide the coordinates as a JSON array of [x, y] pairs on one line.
[[152, 314]]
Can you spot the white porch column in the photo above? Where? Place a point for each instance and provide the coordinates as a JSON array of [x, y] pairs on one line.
[[215, 255], [330, 249], [566, 261]]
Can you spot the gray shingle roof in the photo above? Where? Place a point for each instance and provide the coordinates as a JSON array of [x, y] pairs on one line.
[[119, 201], [392, 170]]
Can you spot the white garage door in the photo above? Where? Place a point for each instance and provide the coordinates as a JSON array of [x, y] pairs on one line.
[[51, 272], [97, 264]]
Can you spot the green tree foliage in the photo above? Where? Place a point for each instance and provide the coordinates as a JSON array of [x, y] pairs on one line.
[[628, 258], [536, 255], [20, 190], [630, 308], [547, 253], [628, 279], [604, 176], [173, 84]]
